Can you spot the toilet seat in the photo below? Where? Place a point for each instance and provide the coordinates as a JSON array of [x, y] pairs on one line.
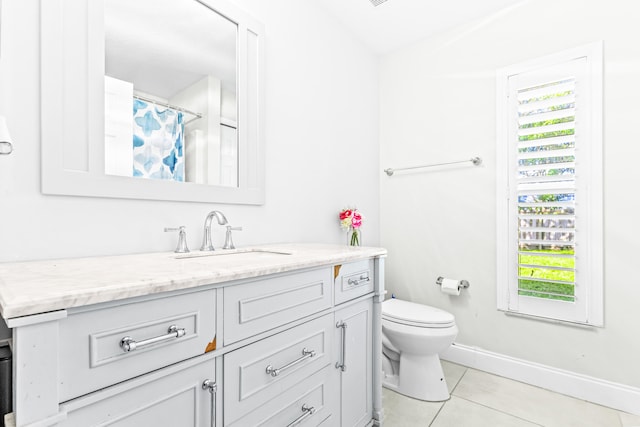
[[417, 315]]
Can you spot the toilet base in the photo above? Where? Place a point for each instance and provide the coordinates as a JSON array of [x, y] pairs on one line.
[[420, 377]]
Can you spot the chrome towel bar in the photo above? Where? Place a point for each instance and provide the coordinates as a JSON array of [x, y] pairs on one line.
[[475, 160]]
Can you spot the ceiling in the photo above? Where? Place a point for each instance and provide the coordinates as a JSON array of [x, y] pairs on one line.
[[158, 45], [396, 23]]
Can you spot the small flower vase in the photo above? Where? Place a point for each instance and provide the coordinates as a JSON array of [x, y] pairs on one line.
[[354, 237]]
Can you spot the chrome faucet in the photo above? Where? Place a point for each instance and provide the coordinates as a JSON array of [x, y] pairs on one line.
[[207, 245]]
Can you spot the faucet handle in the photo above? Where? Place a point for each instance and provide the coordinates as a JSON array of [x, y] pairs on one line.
[[182, 239], [228, 242]]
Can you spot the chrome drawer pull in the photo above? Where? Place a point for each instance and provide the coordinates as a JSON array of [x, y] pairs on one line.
[[306, 354], [308, 411], [363, 278], [129, 344], [342, 365], [213, 390]]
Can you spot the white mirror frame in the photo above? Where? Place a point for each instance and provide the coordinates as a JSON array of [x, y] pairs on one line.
[[72, 110]]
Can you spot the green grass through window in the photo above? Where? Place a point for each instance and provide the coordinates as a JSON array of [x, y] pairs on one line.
[[554, 283]]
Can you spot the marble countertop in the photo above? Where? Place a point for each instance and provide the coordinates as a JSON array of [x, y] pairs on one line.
[[34, 287]]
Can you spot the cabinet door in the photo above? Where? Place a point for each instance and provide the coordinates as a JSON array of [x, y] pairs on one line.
[[353, 341], [170, 397]]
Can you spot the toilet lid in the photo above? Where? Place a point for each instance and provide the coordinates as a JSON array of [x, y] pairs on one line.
[[414, 314]]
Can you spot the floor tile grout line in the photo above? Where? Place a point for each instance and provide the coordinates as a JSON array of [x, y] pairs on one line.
[[435, 417], [466, 369], [483, 405], [453, 389], [498, 410]]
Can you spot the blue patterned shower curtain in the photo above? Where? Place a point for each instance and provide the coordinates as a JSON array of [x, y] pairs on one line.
[[157, 142]]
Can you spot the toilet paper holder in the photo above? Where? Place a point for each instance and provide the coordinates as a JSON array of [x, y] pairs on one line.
[[462, 283]]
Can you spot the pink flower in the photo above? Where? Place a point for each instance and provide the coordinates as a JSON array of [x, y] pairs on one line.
[[356, 220]]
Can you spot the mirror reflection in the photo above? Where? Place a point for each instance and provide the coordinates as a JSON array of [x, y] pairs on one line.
[[170, 92]]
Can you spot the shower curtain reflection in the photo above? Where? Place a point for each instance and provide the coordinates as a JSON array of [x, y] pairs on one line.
[[157, 142]]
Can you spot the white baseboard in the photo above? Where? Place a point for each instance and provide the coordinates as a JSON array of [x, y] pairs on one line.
[[617, 396]]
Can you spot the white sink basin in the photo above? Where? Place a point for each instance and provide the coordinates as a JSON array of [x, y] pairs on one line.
[[234, 253]]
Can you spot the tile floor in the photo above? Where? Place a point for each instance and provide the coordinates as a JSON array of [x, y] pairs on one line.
[[479, 399]]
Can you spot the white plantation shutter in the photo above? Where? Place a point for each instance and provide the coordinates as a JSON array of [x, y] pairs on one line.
[[549, 187], [545, 188]]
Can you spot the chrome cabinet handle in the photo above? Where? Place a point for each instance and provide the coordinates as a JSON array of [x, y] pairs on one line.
[[213, 390], [308, 411], [129, 344], [341, 365], [356, 282], [306, 354]]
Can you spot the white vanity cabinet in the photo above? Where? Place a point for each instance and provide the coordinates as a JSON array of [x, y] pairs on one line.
[[293, 342]]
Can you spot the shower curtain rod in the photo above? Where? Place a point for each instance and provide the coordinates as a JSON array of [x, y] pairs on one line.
[[174, 107], [475, 160]]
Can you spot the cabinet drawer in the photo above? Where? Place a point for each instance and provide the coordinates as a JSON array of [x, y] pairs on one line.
[[250, 379], [93, 358], [315, 397], [169, 397], [258, 306], [353, 280]]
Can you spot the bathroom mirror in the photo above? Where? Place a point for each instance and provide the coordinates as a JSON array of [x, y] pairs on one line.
[[173, 64], [152, 99]]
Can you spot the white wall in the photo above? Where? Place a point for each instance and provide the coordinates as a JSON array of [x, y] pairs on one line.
[[437, 103], [321, 144]]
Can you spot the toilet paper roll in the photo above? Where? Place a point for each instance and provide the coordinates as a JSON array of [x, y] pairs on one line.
[[450, 286]]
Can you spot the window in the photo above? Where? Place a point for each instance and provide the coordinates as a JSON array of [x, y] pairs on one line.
[[549, 177]]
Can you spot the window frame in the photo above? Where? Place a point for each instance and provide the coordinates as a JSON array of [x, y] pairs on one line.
[[589, 308]]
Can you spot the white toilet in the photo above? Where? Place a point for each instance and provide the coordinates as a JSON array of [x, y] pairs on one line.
[[412, 337]]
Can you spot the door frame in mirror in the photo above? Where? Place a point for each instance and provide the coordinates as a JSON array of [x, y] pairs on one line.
[[72, 110]]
